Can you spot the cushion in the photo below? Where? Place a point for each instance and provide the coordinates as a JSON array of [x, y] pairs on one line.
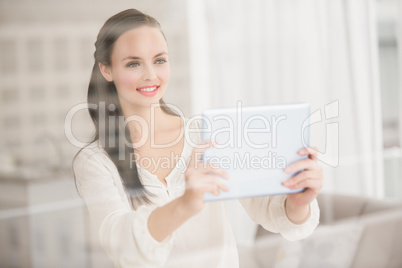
[[329, 246]]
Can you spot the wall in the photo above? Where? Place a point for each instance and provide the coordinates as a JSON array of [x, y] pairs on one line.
[[46, 55]]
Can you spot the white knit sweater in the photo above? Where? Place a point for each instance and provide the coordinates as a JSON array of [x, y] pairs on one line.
[[205, 240]]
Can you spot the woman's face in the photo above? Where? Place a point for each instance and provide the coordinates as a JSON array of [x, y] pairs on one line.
[[139, 67]]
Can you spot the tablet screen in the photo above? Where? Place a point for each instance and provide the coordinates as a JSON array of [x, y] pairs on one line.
[[255, 145]]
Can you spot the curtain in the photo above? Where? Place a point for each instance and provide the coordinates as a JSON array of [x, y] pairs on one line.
[[399, 49], [323, 52]]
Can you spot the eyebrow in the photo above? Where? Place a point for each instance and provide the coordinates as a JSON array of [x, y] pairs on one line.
[[138, 58]]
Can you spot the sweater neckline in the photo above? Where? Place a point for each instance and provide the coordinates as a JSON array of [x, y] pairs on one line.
[[173, 177]]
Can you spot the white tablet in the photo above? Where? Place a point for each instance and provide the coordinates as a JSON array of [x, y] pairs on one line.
[[255, 145]]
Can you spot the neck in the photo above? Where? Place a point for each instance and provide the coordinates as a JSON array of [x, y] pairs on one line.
[[142, 120]]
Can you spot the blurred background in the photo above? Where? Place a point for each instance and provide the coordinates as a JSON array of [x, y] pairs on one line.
[[342, 57]]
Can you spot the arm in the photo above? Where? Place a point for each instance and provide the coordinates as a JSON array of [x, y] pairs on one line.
[[199, 180], [295, 216], [142, 236], [123, 232], [164, 220], [270, 213]]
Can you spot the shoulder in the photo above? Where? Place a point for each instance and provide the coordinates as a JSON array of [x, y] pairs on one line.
[[89, 151], [92, 155]]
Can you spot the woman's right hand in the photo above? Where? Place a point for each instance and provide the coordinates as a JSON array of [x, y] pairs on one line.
[[200, 180]]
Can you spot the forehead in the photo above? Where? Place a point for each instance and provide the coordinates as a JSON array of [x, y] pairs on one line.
[[140, 42]]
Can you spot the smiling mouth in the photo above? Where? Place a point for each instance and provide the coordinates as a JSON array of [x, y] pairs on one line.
[[147, 89]]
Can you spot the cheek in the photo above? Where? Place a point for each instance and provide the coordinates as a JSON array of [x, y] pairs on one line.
[[127, 80], [165, 74]]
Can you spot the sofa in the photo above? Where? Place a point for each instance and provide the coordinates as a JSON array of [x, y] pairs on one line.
[[354, 232]]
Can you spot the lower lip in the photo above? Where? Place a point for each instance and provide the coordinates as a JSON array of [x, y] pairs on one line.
[[149, 93]]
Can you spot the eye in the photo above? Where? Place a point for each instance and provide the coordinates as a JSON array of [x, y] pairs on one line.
[[133, 64], [161, 61]]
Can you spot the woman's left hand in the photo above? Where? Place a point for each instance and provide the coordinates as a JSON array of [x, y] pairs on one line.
[[310, 178]]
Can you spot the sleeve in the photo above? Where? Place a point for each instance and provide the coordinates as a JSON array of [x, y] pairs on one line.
[[123, 232], [269, 212]]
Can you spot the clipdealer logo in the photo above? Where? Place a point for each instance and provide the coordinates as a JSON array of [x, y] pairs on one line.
[[330, 154]]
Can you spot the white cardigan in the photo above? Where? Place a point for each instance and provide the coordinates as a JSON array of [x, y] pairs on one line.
[[205, 240]]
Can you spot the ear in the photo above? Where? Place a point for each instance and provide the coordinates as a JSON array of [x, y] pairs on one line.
[[106, 72]]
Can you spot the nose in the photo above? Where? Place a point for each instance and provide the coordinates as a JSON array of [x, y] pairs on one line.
[[149, 73]]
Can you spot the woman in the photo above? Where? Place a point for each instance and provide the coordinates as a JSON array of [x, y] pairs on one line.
[[153, 215]]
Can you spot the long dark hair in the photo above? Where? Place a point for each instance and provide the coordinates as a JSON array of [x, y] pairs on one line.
[[109, 131]]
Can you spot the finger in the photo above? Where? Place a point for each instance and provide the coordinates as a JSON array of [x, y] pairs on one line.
[[311, 151], [217, 187], [205, 180], [208, 184], [207, 167], [215, 182], [222, 186], [211, 168], [198, 151], [312, 185], [215, 191], [308, 164], [221, 173], [297, 179], [202, 187], [200, 178]]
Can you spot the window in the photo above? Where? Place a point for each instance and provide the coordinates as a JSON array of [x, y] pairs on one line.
[[389, 62]]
